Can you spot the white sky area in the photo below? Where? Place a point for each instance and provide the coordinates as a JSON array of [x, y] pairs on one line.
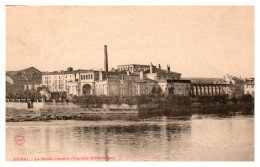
[[194, 41]]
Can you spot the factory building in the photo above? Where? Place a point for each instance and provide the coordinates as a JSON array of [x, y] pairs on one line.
[[129, 80]]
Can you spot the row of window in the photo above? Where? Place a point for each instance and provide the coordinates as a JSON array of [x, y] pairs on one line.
[[90, 76], [29, 87], [248, 92], [249, 86], [59, 77], [135, 68]]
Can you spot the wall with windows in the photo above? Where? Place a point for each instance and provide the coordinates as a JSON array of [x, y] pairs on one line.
[[249, 89]]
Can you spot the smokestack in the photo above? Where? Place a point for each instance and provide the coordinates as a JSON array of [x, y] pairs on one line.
[[159, 66], [105, 59], [141, 75]]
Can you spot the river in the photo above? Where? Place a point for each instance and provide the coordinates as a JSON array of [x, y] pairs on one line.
[[130, 138]]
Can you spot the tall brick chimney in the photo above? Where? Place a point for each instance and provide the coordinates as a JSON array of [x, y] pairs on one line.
[[105, 59]]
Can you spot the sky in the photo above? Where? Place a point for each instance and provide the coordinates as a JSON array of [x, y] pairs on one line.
[[195, 41]]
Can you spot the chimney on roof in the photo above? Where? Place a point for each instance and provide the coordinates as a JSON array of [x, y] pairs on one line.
[[100, 75], [70, 69], [168, 68], [151, 68], [141, 75], [113, 69], [159, 66], [105, 59]]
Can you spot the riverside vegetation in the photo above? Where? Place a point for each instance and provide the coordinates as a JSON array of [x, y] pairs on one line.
[[149, 106]]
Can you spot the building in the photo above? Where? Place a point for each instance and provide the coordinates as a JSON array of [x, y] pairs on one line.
[[237, 86], [249, 86], [175, 87], [28, 79], [134, 80], [209, 86], [134, 68], [133, 84], [127, 80], [71, 82]]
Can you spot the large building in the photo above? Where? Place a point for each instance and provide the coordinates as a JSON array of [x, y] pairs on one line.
[[19, 81], [126, 80], [209, 86], [134, 79]]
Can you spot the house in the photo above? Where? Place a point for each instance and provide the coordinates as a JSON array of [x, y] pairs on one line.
[[23, 80], [249, 86]]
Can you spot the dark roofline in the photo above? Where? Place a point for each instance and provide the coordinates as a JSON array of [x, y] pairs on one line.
[[178, 81], [134, 65]]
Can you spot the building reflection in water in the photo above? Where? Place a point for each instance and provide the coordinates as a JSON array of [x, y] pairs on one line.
[[135, 138], [149, 139]]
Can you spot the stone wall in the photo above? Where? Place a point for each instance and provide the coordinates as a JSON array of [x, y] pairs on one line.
[[121, 106], [50, 105], [16, 105]]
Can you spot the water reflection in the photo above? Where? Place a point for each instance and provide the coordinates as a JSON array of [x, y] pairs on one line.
[[154, 139]]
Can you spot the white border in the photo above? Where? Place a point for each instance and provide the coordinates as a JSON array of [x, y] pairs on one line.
[[123, 3]]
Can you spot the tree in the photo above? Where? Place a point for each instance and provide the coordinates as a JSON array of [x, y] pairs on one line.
[[154, 90], [159, 90]]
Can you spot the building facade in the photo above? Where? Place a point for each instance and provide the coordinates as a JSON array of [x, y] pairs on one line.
[[209, 87], [28, 79], [249, 86]]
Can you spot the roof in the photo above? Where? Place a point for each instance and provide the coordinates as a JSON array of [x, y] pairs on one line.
[[136, 78], [11, 73], [71, 72], [250, 81], [179, 81], [134, 65], [206, 80], [26, 75], [238, 79], [26, 70], [161, 71]]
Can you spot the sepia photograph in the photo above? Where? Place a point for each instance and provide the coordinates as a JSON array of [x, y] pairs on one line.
[[130, 83]]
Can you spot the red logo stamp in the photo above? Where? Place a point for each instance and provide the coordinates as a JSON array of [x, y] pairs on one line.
[[19, 140]]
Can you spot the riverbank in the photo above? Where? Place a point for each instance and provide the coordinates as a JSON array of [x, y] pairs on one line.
[[20, 115]]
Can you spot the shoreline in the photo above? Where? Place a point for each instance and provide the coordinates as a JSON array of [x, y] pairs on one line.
[[21, 115]]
